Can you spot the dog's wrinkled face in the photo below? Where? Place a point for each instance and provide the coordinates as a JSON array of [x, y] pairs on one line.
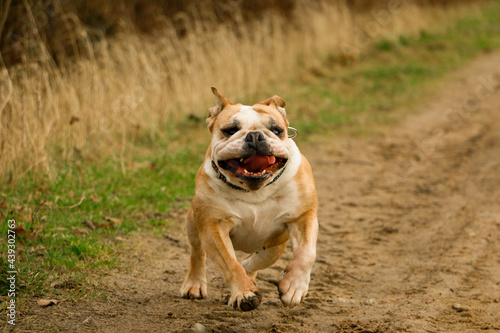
[[250, 144]]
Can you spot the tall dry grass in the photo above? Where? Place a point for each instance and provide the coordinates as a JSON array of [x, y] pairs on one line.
[[128, 87]]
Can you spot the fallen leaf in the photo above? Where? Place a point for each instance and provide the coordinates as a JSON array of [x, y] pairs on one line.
[[20, 230], [47, 302], [89, 224], [80, 231], [105, 225], [112, 219]]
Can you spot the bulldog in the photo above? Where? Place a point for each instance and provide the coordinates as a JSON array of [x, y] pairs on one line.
[[254, 192]]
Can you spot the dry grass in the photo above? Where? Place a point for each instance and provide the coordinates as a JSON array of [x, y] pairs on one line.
[[127, 88]]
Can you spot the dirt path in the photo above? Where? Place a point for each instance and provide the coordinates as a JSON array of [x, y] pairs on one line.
[[409, 239]]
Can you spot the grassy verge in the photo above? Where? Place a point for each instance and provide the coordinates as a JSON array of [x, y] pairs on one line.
[[70, 224], [392, 75]]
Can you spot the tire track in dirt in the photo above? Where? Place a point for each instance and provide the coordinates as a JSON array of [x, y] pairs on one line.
[[409, 240]]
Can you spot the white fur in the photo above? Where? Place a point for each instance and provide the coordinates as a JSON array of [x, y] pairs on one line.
[[250, 116], [255, 215], [261, 213]]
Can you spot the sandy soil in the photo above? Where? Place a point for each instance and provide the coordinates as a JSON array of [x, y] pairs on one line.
[[409, 238]]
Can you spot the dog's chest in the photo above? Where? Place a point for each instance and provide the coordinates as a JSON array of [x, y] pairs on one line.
[[261, 225]]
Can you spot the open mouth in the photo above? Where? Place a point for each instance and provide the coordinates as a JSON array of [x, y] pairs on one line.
[[254, 167]]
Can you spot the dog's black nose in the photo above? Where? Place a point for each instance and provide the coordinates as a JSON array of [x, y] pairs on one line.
[[255, 137], [256, 143]]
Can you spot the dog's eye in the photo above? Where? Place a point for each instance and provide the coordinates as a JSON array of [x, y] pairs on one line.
[[230, 130], [277, 130]]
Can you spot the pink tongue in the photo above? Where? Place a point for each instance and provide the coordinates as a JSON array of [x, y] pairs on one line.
[[257, 163]]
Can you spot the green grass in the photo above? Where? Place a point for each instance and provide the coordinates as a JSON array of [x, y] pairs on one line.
[[391, 75], [52, 211], [388, 79]]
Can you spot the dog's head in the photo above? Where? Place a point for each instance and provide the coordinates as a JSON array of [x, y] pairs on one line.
[[250, 144]]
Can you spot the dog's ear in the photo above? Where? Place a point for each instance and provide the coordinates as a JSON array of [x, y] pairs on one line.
[[221, 103], [276, 101]]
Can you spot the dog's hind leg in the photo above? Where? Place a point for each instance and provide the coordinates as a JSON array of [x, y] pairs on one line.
[[262, 259], [303, 235], [195, 284]]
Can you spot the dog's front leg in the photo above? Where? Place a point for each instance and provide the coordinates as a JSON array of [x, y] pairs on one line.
[[245, 296], [303, 234]]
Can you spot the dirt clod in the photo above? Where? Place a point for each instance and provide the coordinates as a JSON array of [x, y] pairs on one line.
[[457, 307], [199, 328], [47, 302]]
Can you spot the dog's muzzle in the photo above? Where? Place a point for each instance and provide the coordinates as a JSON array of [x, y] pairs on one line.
[[255, 143]]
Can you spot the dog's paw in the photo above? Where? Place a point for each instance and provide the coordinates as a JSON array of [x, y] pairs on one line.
[[292, 289], [246, 301], [194, 289]]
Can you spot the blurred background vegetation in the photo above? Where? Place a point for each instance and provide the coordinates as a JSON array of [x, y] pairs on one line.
[[63, 26], [93, 80]]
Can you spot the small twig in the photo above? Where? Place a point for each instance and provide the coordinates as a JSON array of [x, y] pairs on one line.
[[170, 238], [35, 212], [79, 203], [357, 279]]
